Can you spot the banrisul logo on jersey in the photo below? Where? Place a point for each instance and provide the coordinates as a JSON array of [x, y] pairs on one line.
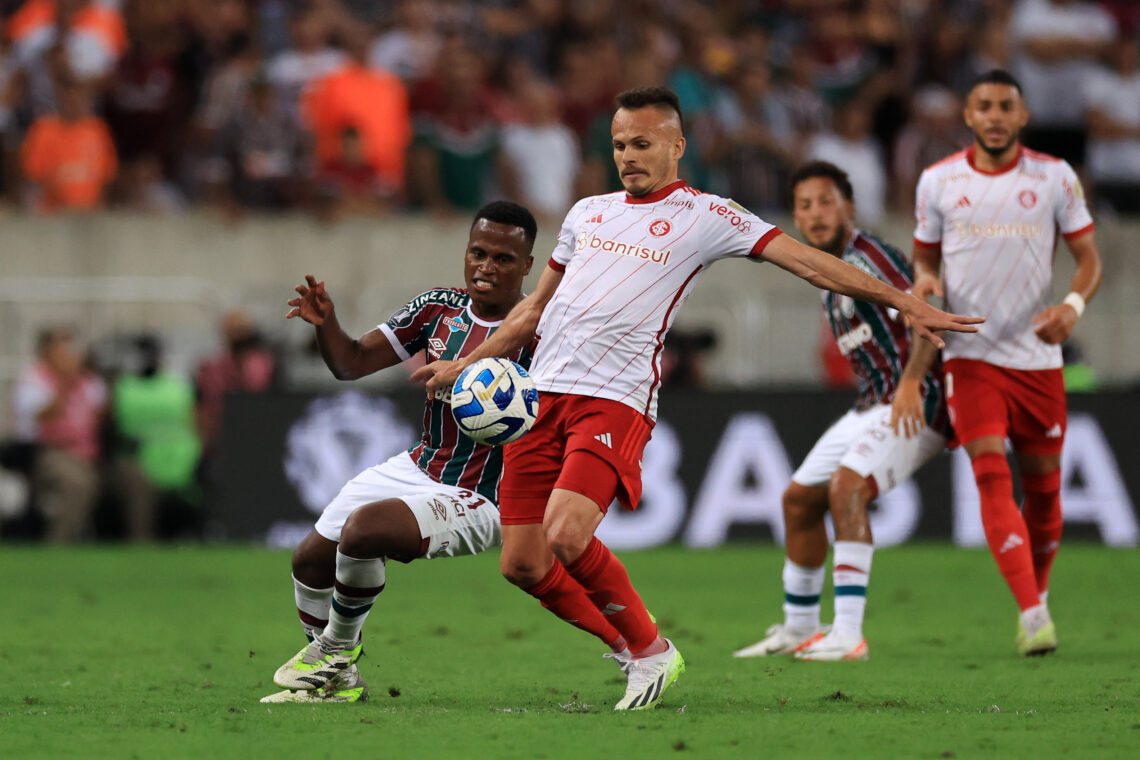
[[586, 241]]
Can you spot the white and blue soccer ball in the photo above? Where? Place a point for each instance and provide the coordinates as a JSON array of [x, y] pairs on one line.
[[494, 401]]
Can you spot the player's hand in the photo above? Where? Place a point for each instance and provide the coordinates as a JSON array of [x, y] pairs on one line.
[[1055, 324], [926, 320], [906, 409], [927, 285], [438, 374], [313, 304]]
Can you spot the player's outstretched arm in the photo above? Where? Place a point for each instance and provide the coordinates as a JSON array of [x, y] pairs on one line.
[[516, 331], [1056, 323], [348, 359], [831, 273]]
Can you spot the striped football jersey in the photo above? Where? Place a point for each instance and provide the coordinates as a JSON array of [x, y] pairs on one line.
[[441, 323], [874, 338]]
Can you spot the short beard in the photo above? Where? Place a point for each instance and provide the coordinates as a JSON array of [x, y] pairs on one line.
[[838, 242], [996, 152]]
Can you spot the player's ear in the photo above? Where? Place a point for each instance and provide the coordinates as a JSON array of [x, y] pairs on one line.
[[678, 148], [529, 264]]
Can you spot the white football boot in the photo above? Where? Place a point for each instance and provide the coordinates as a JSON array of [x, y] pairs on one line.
[[780, 639], [347, 686], [649, 677], [316, 665], [835, 647]]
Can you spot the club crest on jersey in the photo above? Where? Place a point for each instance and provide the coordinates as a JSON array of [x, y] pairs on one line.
[[846, 306], [436, 347], [454, 324], [660, 227], [1027, 198]]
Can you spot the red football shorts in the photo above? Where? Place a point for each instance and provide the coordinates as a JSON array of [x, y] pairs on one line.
[[1025, 405], [535, 465]]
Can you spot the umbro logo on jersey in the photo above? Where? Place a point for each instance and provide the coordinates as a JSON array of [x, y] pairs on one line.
[[1055, 431], [594, 219], [436, 347], [1012, 542], [963, 202], [605, 439]]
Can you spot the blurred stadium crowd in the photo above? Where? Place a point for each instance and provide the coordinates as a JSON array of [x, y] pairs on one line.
[[334, 106]]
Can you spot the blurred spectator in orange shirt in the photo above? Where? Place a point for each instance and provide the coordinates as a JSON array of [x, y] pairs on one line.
[[371, 101], [93, 34], [69, 158]]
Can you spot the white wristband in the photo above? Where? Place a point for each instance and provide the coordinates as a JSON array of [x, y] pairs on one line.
[[1077, 301]]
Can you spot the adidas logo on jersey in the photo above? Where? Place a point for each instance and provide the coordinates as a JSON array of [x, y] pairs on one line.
[[1012, 542], [604, 438], [612, 609], [1055, 431], [594, 219], [963, 202]]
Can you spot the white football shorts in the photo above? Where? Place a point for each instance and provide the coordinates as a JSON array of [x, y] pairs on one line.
[[864, 442], [453, 521]]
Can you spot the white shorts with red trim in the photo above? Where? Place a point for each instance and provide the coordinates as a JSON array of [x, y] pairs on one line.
[[863, 441], [453, 521]]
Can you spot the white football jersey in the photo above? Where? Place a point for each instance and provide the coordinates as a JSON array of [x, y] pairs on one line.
[[998, 231], [629, 264]]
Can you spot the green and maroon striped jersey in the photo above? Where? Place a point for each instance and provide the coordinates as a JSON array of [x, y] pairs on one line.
[[874, 338], [441, 324]]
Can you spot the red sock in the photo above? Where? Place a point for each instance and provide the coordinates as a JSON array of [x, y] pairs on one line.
[[608, 586], [1005, 528], [1042, 513], [566, 598]]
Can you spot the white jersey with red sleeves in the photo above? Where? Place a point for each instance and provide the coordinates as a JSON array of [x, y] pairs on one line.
[[998, 230], [629, 264]]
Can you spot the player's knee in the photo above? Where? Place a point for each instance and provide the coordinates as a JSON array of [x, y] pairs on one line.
[[314, 561], [848, 491], [800, 511], [567, 541], [366, 535], [520, 572]]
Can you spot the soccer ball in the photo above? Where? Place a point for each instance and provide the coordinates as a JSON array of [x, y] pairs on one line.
[[494, 401]]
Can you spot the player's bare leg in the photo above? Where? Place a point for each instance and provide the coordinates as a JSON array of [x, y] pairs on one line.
[[1041, 484], [806, 542], [1008, 537], [849, 493]]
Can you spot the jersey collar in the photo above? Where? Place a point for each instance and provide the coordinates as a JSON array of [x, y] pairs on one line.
[[972, 152], [657, 195]]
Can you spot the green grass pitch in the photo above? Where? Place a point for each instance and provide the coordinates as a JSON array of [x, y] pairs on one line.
[[163, 653]]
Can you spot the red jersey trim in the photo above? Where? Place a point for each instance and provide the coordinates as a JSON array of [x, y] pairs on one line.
[[657, 195], [555, 265], [1087, 228], [972, 152], [930, 246], [762, 243]]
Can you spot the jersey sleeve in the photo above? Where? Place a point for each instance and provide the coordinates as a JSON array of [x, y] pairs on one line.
[[1069, 207], [405, 329], [927, 214], [565, 247], [733, 230]]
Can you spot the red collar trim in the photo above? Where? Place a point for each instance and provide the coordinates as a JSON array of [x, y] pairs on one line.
[[972, 152], [656, 195]]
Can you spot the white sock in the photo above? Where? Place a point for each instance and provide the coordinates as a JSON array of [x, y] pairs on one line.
[[1035, 618], [851, 573], [802, 589], [312, 607], [358, 583]]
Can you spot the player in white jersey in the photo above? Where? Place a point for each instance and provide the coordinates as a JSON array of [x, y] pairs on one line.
[[623, 265], [990, 213]]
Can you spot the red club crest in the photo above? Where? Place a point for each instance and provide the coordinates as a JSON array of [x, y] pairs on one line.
[[660, 228], [1027, 198]]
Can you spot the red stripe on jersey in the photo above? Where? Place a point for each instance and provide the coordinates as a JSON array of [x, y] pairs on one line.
[[881, 262], [555, 265], [660, 339], [656, 195], [949, 159], [937, 246], [1078, 233], [762, 243]]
